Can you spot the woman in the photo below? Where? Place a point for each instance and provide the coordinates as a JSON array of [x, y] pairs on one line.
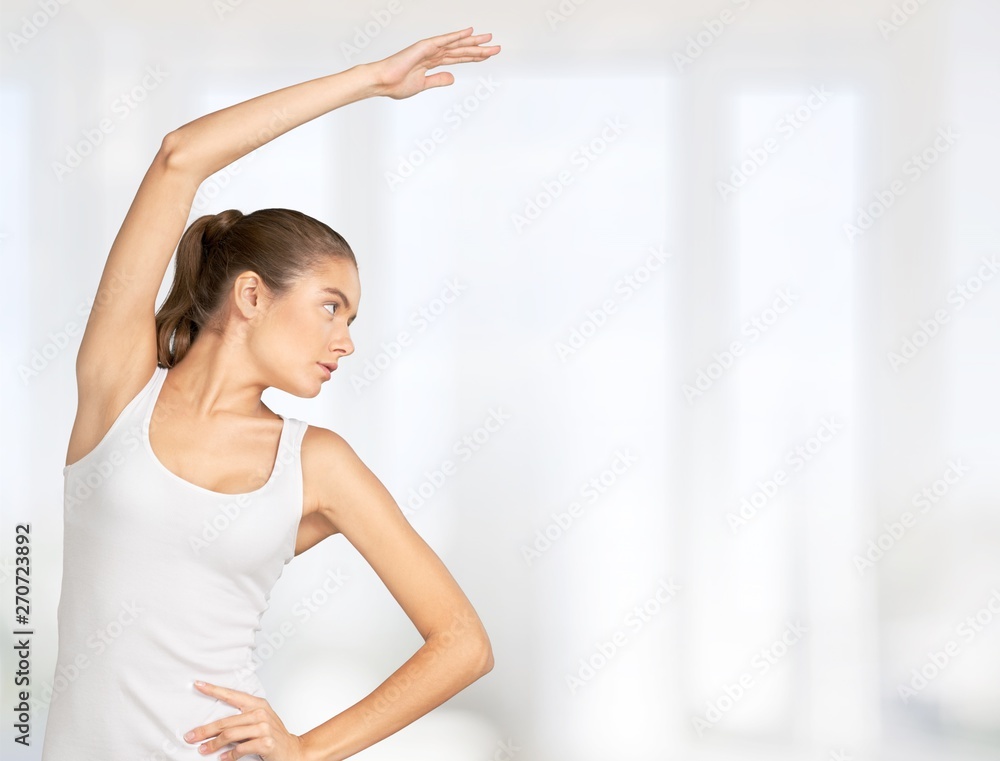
[[186, 496]]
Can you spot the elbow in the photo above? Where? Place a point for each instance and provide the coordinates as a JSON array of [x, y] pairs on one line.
[[488, 663], [170, 155], [470, 656], [484, 657], [467, 647]]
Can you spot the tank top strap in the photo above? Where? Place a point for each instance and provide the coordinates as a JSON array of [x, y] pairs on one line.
[[298, 431], [139, 406], [150, 395], [290, 452]]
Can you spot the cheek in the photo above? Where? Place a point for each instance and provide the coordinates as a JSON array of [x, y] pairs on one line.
[[312, 331], [299, 325], [291, 331]]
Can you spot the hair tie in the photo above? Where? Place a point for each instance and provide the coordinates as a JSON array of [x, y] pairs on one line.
[[218, 227]]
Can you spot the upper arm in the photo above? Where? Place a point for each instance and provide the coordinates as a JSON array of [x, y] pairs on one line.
[[120, 336], [359, 506]]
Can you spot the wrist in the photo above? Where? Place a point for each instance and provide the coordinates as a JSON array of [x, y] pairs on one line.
[[368, 79], [308, 751], [316, 745]]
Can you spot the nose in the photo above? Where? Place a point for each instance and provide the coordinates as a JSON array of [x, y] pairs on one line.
[[342, 342]]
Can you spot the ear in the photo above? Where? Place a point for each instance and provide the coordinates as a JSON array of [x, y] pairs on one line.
[[247, 293]]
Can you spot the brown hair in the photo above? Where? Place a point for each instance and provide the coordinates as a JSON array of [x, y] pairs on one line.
[[280, 245]]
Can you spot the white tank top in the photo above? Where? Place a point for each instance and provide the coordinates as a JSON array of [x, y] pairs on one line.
[[163, 582]]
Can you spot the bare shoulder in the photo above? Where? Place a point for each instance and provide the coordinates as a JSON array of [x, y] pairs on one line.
[[338, 485], [324, 451], [353, 502]]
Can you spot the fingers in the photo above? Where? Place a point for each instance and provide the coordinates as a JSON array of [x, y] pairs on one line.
[[233, 697], [470, 50], [236, 733], [463, 59], [470, 54], [216, 728], [464, 54], [466, 41], [250, 706], [453, 59], [444, 39], [461, 55], [466, 45]]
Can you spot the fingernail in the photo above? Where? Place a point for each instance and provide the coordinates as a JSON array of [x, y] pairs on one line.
[[199, 683], [189, 736]]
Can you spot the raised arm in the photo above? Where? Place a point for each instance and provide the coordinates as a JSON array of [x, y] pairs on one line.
[[214, 141], [118, 349]]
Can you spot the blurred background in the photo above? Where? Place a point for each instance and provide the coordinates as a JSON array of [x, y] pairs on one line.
[[697, 397]]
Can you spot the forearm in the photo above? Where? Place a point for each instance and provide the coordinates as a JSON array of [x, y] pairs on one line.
[[214, 141], [437, 671]]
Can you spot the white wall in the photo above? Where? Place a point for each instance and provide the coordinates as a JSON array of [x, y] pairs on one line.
[[873, 432]]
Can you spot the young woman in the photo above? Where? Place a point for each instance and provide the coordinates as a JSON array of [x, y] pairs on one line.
[[185, 495]]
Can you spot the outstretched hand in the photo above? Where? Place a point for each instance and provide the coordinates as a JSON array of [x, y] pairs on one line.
[[405, 73]]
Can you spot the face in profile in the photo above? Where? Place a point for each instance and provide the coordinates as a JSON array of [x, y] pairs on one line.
[[308, 326]]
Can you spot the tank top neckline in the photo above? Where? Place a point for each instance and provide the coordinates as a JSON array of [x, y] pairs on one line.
[[161, 373]]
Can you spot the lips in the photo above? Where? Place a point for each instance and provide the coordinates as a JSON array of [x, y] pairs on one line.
[[330, 367]]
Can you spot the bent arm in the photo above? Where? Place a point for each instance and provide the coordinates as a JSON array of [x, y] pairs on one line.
[[456, 649], [443, 666]]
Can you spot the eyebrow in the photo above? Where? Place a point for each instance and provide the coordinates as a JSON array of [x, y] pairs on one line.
[[340, 293]]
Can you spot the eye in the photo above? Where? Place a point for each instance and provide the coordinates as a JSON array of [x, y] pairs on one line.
[[334, 304]]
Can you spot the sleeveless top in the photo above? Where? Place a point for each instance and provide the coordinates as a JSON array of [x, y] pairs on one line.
[[163, 582]]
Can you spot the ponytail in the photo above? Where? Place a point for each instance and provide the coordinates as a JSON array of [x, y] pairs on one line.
[[278, 244]]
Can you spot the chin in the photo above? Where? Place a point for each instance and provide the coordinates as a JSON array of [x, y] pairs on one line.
[[308, 389], [299, 385], [304, 392]]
